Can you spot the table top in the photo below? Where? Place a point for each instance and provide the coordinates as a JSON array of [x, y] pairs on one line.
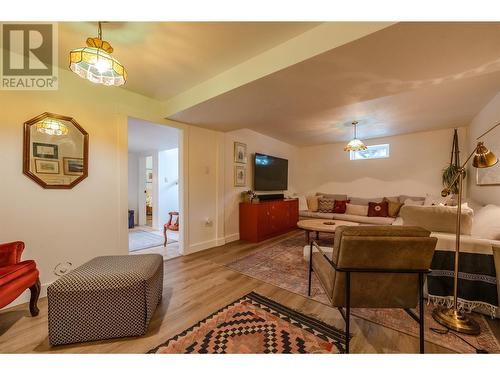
[[323, 225]]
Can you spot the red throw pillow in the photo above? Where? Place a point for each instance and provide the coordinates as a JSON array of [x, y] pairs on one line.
[[339, 207], [378, 209]]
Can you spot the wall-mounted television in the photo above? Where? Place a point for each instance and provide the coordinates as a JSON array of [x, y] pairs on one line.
[[270, 173]]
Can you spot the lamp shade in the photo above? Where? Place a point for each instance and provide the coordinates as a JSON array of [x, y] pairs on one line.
[[483, 158], [51, 126], [95, 63], [355, 145]]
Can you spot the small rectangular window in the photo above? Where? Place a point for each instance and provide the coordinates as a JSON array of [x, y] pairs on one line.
[[373, 152]]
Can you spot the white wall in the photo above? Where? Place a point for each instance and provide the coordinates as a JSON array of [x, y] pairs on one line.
[[255, 142], [168, 183], [91, 219], [133, 186], [484, 120], [414, 166]]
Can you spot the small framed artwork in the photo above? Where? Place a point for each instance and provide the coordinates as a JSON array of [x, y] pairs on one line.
[[46, 166], [73, 166], [240, 175], [488, 176], [240, 152], [45, 150]]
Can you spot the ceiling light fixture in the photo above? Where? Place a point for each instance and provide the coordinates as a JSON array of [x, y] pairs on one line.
[[96, 64], [355, 144], [51, 126]]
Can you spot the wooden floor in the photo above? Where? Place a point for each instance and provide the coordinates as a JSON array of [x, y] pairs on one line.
[[194, 287]]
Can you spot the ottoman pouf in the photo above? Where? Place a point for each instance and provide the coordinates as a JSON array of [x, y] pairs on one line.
[[107, 297]]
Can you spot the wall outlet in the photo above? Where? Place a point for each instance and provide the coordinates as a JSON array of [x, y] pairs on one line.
[[208, 222]]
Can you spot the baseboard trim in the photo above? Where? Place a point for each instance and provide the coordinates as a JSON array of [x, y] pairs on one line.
[[25, 297], [232, 237]]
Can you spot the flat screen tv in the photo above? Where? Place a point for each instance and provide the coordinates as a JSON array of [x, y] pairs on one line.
[[270, 173]]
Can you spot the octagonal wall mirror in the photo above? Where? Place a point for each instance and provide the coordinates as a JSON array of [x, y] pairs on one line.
[[55, 153]]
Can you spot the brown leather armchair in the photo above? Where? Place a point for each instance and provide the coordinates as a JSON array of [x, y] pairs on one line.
[[375, 267]]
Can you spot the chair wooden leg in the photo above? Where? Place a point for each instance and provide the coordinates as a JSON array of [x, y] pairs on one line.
[[165, 236], [35, 293], [421, 312], [347, 309], [310, 269]]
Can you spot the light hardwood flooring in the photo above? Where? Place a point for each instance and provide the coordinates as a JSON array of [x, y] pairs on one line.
[[170, 251], [194, 287]]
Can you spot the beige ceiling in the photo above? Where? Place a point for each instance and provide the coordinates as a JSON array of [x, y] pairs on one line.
[[406, 78], [164, 59]]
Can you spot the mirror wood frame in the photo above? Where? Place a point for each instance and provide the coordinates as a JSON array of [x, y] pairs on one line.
[[27, 151]]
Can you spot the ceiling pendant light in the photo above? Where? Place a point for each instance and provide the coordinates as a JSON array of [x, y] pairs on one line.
[[96, 64], [51, 126], [355, 144]]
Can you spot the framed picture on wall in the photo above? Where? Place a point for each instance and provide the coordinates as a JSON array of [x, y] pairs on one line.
[[240, 152], [240, 176], [46, 166], [45, 150], [73, 166]]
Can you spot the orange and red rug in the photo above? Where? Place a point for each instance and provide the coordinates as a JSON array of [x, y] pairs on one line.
[[255, 324], [282, 264]]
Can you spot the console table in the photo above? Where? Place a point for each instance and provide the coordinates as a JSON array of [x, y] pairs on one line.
[[262, 220]]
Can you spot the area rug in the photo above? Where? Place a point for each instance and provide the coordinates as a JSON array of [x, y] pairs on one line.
[[256, 325], [141, 239], [282, 264]]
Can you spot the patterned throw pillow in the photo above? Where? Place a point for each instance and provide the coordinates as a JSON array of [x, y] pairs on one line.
[[325, 205], [378, 209], [339, 207]]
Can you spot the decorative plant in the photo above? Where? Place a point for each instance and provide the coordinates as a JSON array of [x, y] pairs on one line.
[[249, 195], [451, 170], [449, 174]]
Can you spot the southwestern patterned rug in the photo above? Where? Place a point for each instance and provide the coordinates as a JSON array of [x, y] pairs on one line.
[[282, 264], [255, 324]]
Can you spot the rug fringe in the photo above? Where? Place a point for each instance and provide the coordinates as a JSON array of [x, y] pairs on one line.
[[463, 305]]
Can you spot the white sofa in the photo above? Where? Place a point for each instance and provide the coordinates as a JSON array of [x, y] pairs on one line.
[[305, 213]]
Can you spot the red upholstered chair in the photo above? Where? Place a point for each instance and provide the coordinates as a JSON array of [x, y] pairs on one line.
[[17, 276], [173, 224]]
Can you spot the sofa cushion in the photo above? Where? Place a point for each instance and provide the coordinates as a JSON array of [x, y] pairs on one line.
[[14, 271], [325, 205], [364, 201], [393, 206], [434, 200], [486, 223], [315, 215], [378, 209], [339, 197], [437, 218], [364, 219], [356, 209], [402, 198], [411, 202], [312, 203], [339, 207]]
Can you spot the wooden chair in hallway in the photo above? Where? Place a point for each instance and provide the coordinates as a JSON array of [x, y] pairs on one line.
[[375, 267], [172, 224]]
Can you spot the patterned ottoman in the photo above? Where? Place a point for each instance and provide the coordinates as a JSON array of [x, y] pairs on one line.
[[108, 297]]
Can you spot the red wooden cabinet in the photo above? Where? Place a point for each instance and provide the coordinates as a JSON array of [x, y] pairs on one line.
[[259, 221]]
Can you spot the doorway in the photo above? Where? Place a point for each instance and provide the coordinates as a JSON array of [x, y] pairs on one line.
[[153, 189]]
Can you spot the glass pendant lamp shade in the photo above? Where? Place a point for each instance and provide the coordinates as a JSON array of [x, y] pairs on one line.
[[95, 63], [51, 126], [355, 144]]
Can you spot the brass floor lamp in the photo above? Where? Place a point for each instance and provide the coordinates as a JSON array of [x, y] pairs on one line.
[[452, 317]]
